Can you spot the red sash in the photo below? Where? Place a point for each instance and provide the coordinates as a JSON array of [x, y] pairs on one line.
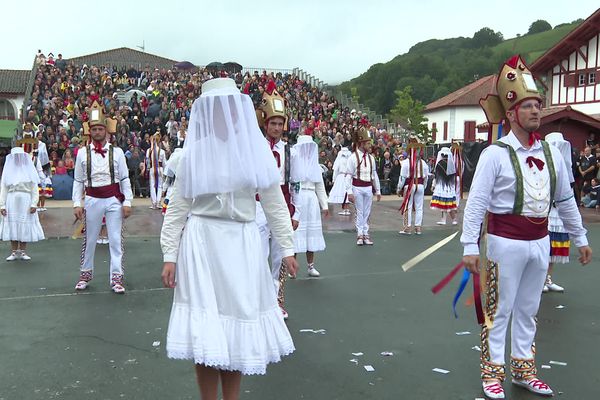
[[517, 227], [105, 192], [358, 183]]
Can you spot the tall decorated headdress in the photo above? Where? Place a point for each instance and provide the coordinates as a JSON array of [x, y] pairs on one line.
[[514, 84], [29, 143], [97, 117], [360, 135], [415, 151], [271, 105]]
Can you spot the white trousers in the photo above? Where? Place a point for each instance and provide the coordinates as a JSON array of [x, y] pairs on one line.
[[95, 209], [516, 275], [363, 199], [155, 189], [272, 251], [416, 200]]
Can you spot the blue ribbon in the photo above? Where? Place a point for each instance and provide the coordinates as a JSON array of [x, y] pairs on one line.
[[499, 131], [461, 289]]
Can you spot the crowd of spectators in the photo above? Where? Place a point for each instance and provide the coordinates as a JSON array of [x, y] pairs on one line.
[[586, 170], [149, 100]]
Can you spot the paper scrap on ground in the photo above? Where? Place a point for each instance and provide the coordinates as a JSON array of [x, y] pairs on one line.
[[387, 353], [559, 307], [544, 366], [357, 354], [369, 368], [156, 344], [354, 360], [321, 331], [476, 348], [440, 370], [558, 363], [463, 333]]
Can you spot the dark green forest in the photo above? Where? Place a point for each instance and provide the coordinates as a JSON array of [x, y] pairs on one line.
[[435, 68]]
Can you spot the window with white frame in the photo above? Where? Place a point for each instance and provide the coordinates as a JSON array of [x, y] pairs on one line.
[[591, 78], [582, 79]]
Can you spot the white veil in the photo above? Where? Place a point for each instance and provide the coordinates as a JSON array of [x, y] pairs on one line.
[[224, 150], [450, 167], [19, 168], [557, 140], [305, 161]]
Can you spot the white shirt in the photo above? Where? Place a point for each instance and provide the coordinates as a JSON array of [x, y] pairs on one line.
[[238, 206], [279, 147], [368, 170], [101, 173], [162, 161], [494, 190], [405, 172]]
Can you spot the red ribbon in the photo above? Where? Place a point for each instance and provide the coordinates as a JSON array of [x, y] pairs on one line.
[[533, 136], [532, 160], [99, 148], [476, 289]]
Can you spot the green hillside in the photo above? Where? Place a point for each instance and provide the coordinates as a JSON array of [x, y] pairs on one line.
[[435, 68]]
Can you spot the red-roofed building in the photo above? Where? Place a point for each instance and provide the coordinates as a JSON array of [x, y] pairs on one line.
[[571, 69], [456, 116]]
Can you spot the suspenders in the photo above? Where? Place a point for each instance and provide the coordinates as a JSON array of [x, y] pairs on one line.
[[358, 162], [518, 205], [111, 164]]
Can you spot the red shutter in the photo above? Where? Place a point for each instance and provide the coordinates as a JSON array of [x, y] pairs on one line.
[[433, 131], [469, 131], [571, 80], [445, 131]]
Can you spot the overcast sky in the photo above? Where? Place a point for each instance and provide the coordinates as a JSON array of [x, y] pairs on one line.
[[334, 40]]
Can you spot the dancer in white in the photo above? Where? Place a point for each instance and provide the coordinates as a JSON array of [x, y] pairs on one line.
[[18, 200], [559, 237], [272, 118], [515, 182], [170, 177], [337, 194], [101, 175], [444, 183], [361, 183], [312, 200], [414, 173], [225, 315], [155, 161]]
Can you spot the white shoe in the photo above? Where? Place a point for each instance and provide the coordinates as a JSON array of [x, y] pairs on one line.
[[535, 386], [418, 230], [367, 240], [360, 241], [343, 212], [347, 212], [25, 256], [493, 390], [454, 222], [13, 256], [553, 287], [442, 222], [284, 313], [312, 271], [405, 232], [545, 289]]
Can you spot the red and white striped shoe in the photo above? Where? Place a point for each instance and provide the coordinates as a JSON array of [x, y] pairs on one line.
[[493, 390], [535, 386]]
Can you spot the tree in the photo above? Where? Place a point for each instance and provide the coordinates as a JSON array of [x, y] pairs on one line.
[[486, 37], [409, 113], [539, 26]]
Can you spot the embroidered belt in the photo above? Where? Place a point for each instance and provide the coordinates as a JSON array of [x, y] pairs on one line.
[[104, 192], [420, 181], [518, 227], [359, 183]]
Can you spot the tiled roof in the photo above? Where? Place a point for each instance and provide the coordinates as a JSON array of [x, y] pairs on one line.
[[124, 56], [466, 96], [13, 81]]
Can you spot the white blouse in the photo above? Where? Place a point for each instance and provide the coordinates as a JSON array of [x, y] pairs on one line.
[[238, 206]]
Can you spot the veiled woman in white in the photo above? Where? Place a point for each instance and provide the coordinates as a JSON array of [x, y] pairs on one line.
[[18, 201], [225, 315]]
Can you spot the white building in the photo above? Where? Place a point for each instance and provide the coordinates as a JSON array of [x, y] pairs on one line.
[[455, 117]]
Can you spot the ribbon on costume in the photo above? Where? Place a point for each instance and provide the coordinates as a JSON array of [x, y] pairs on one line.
[[531, 161], [461, 288]]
